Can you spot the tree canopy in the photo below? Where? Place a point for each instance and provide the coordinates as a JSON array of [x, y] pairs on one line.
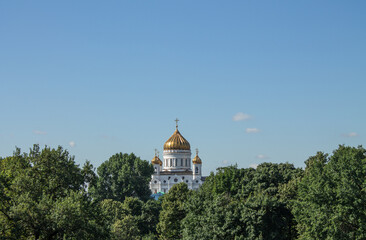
[[331, 202], [45, 195], [123, 175]]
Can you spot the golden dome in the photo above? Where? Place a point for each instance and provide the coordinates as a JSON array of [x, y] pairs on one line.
[[197, 159], [156, 160], [177, 142]]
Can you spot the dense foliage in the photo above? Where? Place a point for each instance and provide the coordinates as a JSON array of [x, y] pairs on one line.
[[45, 195], [331, 199], [121, 176]]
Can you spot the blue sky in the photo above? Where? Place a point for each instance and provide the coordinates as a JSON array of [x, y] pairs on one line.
[[251, 81]]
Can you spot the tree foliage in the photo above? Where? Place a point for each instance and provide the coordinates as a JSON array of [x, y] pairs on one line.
[[123, 175], [173, 211], [43, 197], [331, 201], [242, 204]]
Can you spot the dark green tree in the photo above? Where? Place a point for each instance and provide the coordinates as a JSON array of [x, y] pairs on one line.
[[142, 215], [126, 229], [215, 217], [123, 175], [331, 201], [242, 204], [150, 217], [173, 211], [44, 197]]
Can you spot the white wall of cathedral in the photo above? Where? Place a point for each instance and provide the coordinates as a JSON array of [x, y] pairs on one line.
[[163, 183], [197, 169], [157, 168], [176, 160]]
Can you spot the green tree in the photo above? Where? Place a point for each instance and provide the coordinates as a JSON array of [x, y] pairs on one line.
[[242, 204], [150, 216], [173, 211], [143, 215], [331, 201], [126, 229], [111, 211], [44, 197], [228, 180], [209, 218], [123, 175]]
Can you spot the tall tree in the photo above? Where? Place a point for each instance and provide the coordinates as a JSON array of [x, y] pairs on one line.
[[331, 202], [173, 211], [123, 175], [242, 204], [44, 197]]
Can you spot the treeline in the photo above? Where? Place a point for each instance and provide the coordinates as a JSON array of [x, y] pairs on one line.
[[45, 195]]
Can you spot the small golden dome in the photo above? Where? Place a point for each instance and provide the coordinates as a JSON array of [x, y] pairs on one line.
[[156, 160], [197, 159], [177, 142]]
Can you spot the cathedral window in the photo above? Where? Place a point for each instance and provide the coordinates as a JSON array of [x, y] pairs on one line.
[[175, 179], [196, 169]]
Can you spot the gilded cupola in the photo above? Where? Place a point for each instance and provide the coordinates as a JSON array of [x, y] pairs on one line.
[[197, 159], [177, 141], [156, 159]]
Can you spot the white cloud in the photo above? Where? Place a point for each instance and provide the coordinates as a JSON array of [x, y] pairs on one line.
[[252, 130], [262, 156], [253, 165], [241, 117], [38, 132], [72, 144], [225, 162], [351, 134]]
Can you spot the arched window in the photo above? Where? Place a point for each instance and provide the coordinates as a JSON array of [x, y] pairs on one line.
[[196, 169]]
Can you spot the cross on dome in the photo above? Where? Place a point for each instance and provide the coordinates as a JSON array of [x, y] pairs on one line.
[[176, 123]]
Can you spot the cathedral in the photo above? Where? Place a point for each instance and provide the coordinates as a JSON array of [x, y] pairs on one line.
[[176, 166]]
